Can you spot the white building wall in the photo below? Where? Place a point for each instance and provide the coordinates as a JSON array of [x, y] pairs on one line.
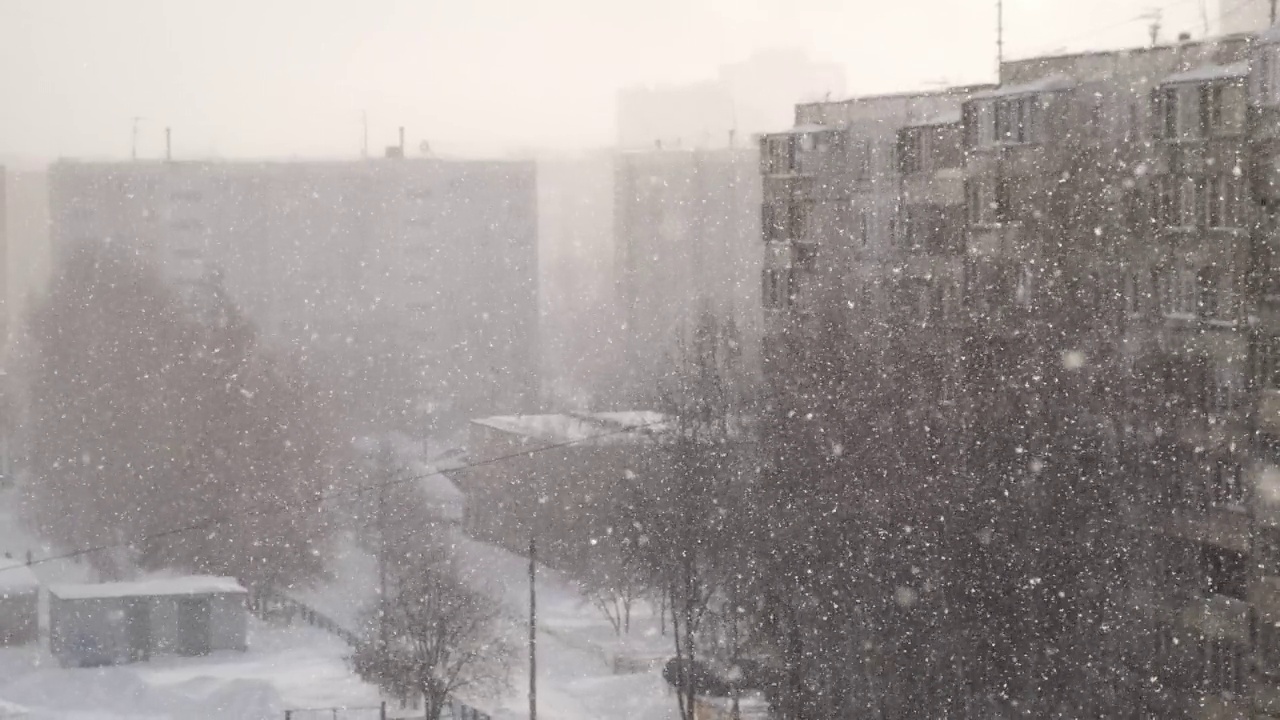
[[430, 260]]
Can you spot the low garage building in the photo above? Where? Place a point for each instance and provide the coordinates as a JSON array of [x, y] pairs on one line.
[[115, 623], [19, 604]]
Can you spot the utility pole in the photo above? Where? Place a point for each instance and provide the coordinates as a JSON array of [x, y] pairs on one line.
[[533, 623], [383, 466], [999, 38]]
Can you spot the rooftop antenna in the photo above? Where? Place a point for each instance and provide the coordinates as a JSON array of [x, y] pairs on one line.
[[134, 138], [1155, 15], [364, 124]]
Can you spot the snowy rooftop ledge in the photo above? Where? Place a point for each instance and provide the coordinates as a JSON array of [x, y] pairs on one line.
[[593, 428], [1205, 73], [16, 576], [190, 585]]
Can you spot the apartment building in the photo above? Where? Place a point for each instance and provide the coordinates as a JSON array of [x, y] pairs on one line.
[[686, 230], [415, 276], [1106, 221], [858, 200]]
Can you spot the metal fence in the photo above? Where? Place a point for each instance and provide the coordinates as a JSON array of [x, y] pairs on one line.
[[455, 711]]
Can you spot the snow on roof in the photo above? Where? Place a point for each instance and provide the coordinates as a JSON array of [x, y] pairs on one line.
[[1205, 73], [594, 428], [15, 575], [949, 117], [190, 585], [803, 129], [1049, 83]]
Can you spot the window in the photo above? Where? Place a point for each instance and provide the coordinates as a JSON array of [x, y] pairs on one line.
[[1269, 75], [1222, 208], [1209, 299], [777, 288], [1225, 667], [1178, 111], [1268, 645], [1213, 198], [1271, 369], [780, 220], [1024, 290], [1224, 572], [780, 154], [804, 256], [982, 203], [1166, 112], [806, 222], [1220, 396], [1189, 118], [1223, 109], [1177, 292], [1226, 483], [1189, 207], [984, 121], [860, 159], [911, 150], [1015, 118]]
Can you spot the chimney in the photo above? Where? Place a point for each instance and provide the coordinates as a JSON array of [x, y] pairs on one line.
[[168, 145], [401, 141]]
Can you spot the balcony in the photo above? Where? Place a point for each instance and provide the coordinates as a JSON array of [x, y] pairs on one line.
[[1218, 527], [944, 187], [1216, 617], [1001, 241], [1269, 412]]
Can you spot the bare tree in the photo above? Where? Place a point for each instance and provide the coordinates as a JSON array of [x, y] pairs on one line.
[[441, 639], [686, 506], [146, 413]]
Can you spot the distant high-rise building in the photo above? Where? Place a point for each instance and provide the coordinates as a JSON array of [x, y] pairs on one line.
[[419, 276], [687, 238], [746, 98], [1243, 16]]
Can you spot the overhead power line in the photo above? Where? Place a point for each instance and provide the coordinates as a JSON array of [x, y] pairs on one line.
[[212, 522]]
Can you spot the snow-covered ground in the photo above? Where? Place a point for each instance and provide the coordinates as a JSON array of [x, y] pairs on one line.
[[285, 667], [302, 667], [577, 646]]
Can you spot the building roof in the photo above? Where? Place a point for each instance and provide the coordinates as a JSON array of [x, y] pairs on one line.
[[803, 129], [1048, 83], [960, 91], [1205, 73], [608, 428], [190, 585], [15, 576], [949, 117]]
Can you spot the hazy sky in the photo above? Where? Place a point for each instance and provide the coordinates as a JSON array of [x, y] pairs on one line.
[[291, 77]]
